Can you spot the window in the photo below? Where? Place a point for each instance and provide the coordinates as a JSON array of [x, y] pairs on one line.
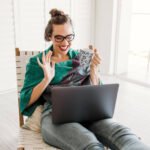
[[139, 52]]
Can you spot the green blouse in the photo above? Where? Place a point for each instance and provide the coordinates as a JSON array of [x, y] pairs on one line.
[[34, 75]]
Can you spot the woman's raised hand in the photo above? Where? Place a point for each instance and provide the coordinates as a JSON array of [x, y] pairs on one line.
[[48, 66], [96, 60]]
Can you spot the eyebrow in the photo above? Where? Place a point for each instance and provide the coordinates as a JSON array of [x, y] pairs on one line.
[[63, 35]]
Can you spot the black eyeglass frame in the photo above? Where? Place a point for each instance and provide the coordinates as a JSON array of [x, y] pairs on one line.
[[64, 37]]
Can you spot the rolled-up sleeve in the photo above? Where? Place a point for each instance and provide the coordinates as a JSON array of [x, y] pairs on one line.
[[33, 76]]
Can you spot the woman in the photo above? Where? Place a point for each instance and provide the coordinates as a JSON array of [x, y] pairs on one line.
[[59, 65]]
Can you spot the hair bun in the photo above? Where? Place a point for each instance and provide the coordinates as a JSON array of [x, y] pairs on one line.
[[56, 12]]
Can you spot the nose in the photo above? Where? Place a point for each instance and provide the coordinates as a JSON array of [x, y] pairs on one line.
[[65, 42]]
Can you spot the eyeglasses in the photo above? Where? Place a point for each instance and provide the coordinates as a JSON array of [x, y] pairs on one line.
[[60, 38]]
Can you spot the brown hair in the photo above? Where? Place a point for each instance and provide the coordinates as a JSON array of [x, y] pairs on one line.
[[58, 17]]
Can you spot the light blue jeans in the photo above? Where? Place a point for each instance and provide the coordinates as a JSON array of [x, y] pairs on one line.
[[76, 136]]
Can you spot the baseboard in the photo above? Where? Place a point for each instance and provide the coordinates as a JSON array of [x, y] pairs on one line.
[[140, 83]]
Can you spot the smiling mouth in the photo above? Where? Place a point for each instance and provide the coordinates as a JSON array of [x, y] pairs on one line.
[[63, 48]]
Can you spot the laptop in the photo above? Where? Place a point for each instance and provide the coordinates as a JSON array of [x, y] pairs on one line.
[[83, 103]]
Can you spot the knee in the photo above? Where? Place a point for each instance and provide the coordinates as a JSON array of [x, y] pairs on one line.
[[97, 146], [44, 133], [117, 135], [46, 130], [114, 130]]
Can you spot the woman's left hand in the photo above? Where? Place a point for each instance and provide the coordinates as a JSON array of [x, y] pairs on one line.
[[96, 60]]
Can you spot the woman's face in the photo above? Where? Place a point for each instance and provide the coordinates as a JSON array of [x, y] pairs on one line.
[[62, 37]]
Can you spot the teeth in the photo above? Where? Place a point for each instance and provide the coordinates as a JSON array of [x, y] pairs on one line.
[[63, 47]]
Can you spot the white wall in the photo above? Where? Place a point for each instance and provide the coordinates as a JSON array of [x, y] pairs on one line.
[[113, 18], [105, 33], [29, 24], [32, 20], [7, 47], [83, 16], [123, 36]]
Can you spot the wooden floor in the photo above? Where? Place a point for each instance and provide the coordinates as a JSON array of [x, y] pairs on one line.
[[132, 110]]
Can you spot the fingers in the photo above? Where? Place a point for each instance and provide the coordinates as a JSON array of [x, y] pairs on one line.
[[96, 52], [97, 59], [50, 59], [91, 47], [48, 56], [40, 64], [94, 62], [53, 64], [96, 56], [93, 65], [43, 58]]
